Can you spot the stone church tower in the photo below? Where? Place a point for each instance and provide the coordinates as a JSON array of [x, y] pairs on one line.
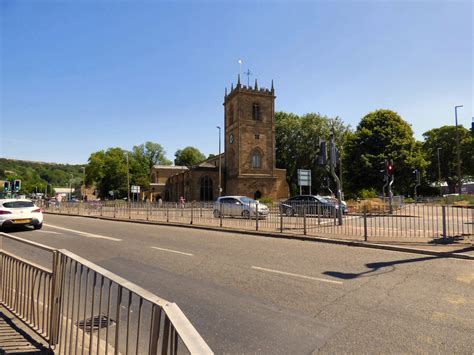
[[250, 144]]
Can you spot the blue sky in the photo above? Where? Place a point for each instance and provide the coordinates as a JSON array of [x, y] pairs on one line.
[[80, 76]]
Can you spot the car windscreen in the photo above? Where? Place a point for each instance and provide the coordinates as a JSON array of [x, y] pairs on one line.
[[247, 200], [18, 204]]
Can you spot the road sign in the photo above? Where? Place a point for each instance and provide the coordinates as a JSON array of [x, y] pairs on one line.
[[135, 189], [304, 177]]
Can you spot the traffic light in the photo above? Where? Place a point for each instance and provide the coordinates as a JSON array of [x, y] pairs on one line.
[[389, 167], [6, 186], [323, 155], [17, 185]]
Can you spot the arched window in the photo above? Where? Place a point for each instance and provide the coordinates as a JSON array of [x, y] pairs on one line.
[[256, 112], [256, 160], [206, 190]]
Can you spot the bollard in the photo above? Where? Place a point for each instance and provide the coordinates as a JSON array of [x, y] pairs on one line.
[[256, 216], [365, 225]]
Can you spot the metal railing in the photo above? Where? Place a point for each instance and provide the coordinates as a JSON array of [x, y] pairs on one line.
[[79, 307], [407, 221]]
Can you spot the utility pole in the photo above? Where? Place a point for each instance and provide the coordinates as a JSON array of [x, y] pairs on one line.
[[418, 182], [128, 180], [458, 148], [220, 163]]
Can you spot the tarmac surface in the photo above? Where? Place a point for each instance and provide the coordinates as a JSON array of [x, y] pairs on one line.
[[249, 294]]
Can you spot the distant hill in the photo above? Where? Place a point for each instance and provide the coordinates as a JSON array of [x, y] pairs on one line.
[[36, 175]]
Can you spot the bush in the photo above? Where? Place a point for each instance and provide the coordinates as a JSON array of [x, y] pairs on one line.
[[367, 193], [266, 200]]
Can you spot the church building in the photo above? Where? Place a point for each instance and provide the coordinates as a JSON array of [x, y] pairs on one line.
[[248, 164]]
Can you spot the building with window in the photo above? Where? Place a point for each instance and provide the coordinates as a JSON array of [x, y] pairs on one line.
[[248, 162]]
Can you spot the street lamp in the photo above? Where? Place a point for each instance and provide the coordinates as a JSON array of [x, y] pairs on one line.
[[457, 147], [439, 174], [220, 163], [128, 180]]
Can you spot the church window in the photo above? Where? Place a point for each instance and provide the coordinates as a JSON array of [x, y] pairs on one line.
[[256, 112], [256, 160], [257, 136], [206, 189]]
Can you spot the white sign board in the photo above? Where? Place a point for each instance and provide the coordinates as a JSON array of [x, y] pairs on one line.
[[304, 177], [135, 189]]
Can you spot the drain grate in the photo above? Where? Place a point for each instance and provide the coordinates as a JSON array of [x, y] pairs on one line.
[[91, 324]]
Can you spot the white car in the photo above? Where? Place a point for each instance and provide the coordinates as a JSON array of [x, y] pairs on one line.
[[16, 212], [239, 206]]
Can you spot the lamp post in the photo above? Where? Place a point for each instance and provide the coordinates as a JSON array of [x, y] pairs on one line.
[[83, 182], [128, 180], [439, 174], [458, 148], [220, 163]]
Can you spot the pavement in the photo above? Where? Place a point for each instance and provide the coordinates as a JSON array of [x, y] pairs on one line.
[[249, 294], [17, 338]]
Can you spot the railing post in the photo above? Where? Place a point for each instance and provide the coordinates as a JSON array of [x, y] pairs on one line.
[[281, 219], [115, 208], [200, 210], [256, 216], [365, 225], [443, 209], [304, 220], [55, 298], [192, 212], [154, 330], [167, 213], [220, 214], [147, 206], [129, 210]]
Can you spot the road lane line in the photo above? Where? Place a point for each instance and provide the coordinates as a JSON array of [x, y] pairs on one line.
[[85, 234], [296, 275], [172, 251], [49, 232]]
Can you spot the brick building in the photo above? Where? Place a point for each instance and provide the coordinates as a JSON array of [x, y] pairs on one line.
[[248, 164]]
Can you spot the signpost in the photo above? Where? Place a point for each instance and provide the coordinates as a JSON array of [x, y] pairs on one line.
[[304, 179], [135, 190]]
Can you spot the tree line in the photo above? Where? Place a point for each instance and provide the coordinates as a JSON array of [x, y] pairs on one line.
[[380, 135]]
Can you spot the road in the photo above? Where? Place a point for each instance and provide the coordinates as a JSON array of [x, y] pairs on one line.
[[248, 294]]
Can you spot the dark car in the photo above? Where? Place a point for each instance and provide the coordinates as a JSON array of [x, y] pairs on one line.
[[309, 205]]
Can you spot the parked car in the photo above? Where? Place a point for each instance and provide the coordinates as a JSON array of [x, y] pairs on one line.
[[309, 205], [334, 200], [239, 206], [14, 212]]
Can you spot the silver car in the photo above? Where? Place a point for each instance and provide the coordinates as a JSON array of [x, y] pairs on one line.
[[239, 206]]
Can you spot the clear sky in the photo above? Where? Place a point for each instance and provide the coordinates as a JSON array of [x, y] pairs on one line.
[[80, 76]]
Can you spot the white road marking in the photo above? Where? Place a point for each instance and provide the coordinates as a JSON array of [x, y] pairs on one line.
[[296, 275], [85, 234], [172, 251], [49, 232]]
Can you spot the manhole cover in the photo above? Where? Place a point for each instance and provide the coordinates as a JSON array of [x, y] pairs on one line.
[[95, 323]]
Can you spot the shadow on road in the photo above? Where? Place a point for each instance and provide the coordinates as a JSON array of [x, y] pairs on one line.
[[377, 266]]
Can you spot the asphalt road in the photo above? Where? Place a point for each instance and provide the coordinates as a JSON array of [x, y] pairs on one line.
[[248, 294]]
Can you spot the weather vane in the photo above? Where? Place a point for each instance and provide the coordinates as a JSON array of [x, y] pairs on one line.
[[248, 73]]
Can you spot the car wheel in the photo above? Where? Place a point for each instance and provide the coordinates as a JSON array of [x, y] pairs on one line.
[[290, 212], [38, 226], [246, 214], [217, 214]]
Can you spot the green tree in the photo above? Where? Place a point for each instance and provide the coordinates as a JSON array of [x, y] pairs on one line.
[[108, 171], [445, 138], [297, 145], [143, 158], [188, 156], [381, 135]]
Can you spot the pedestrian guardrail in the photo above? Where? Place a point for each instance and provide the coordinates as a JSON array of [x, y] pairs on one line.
[[79, 307], [363, 221]]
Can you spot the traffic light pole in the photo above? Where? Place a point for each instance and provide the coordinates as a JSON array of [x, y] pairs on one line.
[[332, 164], [390, 195]]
